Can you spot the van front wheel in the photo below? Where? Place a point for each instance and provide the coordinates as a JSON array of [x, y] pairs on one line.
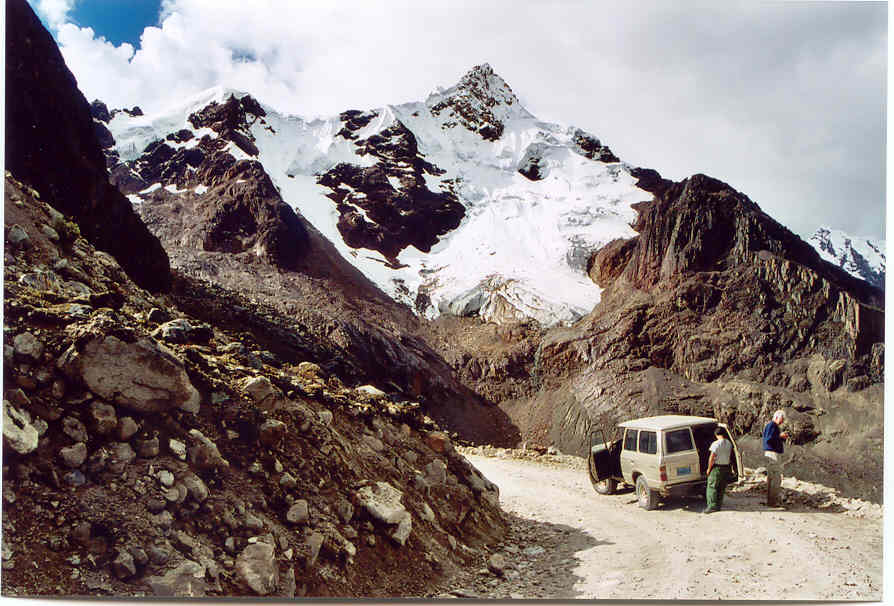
[[645, 496]]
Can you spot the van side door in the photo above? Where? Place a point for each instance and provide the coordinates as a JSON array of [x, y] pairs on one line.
[[628, 454], [647, 456]]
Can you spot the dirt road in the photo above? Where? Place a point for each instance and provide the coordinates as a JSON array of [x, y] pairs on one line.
[[569, 542]]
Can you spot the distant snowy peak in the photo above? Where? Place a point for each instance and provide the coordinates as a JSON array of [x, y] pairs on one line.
[[860, 257]]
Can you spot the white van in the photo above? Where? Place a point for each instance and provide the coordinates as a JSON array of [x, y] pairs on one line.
[[660, 456]]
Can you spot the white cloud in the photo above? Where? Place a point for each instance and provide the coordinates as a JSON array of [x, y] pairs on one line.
[[54, 12], [783, 101]]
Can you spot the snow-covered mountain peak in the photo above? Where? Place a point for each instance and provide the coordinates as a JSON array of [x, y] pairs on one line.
[[464, 203], [481, 101], [861, 257]]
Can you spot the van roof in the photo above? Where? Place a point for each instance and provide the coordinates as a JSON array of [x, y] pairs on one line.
[[666, 422]]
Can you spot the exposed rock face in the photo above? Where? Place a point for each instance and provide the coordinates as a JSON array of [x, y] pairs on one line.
[[479, 102], [387, 206], [713, 309], [232, 205], [57, 151]]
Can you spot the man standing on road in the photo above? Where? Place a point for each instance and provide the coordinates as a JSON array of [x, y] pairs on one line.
[[718, 470], [772, 441]]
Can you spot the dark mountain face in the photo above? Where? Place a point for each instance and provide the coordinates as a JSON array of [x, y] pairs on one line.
[[57, 151]]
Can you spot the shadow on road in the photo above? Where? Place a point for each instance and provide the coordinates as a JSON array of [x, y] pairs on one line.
[[545, 557]]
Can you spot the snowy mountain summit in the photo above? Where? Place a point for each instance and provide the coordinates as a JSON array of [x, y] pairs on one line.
[[861, 257], [464, 203]]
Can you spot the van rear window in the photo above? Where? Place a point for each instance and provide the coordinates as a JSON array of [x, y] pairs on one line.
[[648, 442], [677, 440]]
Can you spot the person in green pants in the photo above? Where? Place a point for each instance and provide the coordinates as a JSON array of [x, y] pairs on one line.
[[718, 470]]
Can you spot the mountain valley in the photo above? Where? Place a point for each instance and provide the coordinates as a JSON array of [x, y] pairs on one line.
[[245, 351]]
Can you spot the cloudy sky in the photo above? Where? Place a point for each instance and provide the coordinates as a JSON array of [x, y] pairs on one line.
[[784, 101]]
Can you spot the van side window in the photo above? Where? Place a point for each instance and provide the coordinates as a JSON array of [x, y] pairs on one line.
[[648, 442], [630, 439], [677, 440]]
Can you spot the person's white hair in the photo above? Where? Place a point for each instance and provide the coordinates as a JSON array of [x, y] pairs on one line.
[[779, 415]]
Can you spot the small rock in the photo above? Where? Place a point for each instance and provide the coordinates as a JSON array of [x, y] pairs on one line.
[[155, 505], [298, 513], [123, 565], [157, 555], [121, 456], [309, 370], [256, 567], [271, 432], [105, 420], [204, 453], [253, 522], [345, 510], [288, 481], [28, 347], [149, 447], [372, 391], [197, 489], [166, 478], [439, 442], [127, 428], [314, 544], [18, 432], [497, 564], [74, 478], [98, 460], [325, 417], [262, 392], [157, 316], [18, 237], [140, 557], [74, 456], [177, 448], [50, 233]]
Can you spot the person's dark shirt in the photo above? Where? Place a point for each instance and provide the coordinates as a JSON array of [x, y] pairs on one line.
[[772, 439]]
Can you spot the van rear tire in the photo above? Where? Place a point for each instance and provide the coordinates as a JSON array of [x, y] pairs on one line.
[[645, 496]]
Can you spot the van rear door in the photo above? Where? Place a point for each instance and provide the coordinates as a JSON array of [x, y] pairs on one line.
[[680, 456], [736, 460]]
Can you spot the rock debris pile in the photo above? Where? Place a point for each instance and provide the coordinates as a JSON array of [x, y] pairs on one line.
[[149, 453]]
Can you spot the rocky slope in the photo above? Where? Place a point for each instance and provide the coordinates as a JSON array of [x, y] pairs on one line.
[[148, 452], [58, 153]]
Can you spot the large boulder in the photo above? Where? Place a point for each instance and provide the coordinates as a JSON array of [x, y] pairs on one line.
[[142, 376]]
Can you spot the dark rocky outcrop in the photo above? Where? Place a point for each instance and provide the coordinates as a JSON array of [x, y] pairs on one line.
[[56, 150], [376, 214], [473, 100]]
